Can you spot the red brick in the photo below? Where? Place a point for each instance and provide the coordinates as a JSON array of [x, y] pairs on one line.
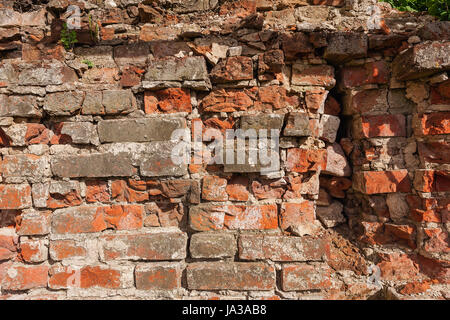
[[214, 189], [268, 189], [372, 182], [401, 234], [315, 100], [158, 277], [304, 160], [230, 276], [227, 100], [233, 217], [334, 3], [397, 266], [233, 69], [66, 249], [86, 277], [144, 246], [371, 73], [33, 223], [15, 196], [432, 181], [129, 191], [95, 219], [282, 248], [37, 134], [332, 106], [296, 277], [295, 44], [437, 240], [440, 95], [434, 151], [432, 123], [261, 99], [296, 214], [131, 76], [167, 101], [416, 287], [237, 189], [365, 101], [313, 75], [97, 191], [8, 247], [307, 183], [382, 126], [25, 277], [33, 251], [67, 195], [336, 186]]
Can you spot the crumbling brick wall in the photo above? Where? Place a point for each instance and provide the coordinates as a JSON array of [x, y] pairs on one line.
[[91, 204]]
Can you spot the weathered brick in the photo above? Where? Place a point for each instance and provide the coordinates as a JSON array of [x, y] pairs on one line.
[[118, 101], [282, 248], [67, 249], [298, 277], [75, 132], [92, 276], [328, 127], [233, 69], [337, 164], [380, 126], [304, 160], [144, 246], [180, 69], [92, 103], [158, 276], [234, 217], [214, 188], [8, 247], [151, 32], [34, 222], [432, 181], [313, 75], [344, 46], [397, 266], [63, 194], [139, 130], [268, 189], [371, 182], [370, 73], [230, 276], [93, 165], [46, 73], [158, 160], [422, 60], [212, 245], [432, 123], [19, 106], [131, 191], [296, 215], [27, 166], [298, 124], [15, 196], [262, 121], [63, 103], [295, 44], [33, 250], [97, 191], [87, 219], [167, 101], [22, 277], [366, 102]]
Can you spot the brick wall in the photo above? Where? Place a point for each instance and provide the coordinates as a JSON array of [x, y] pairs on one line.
[[92, 206]]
